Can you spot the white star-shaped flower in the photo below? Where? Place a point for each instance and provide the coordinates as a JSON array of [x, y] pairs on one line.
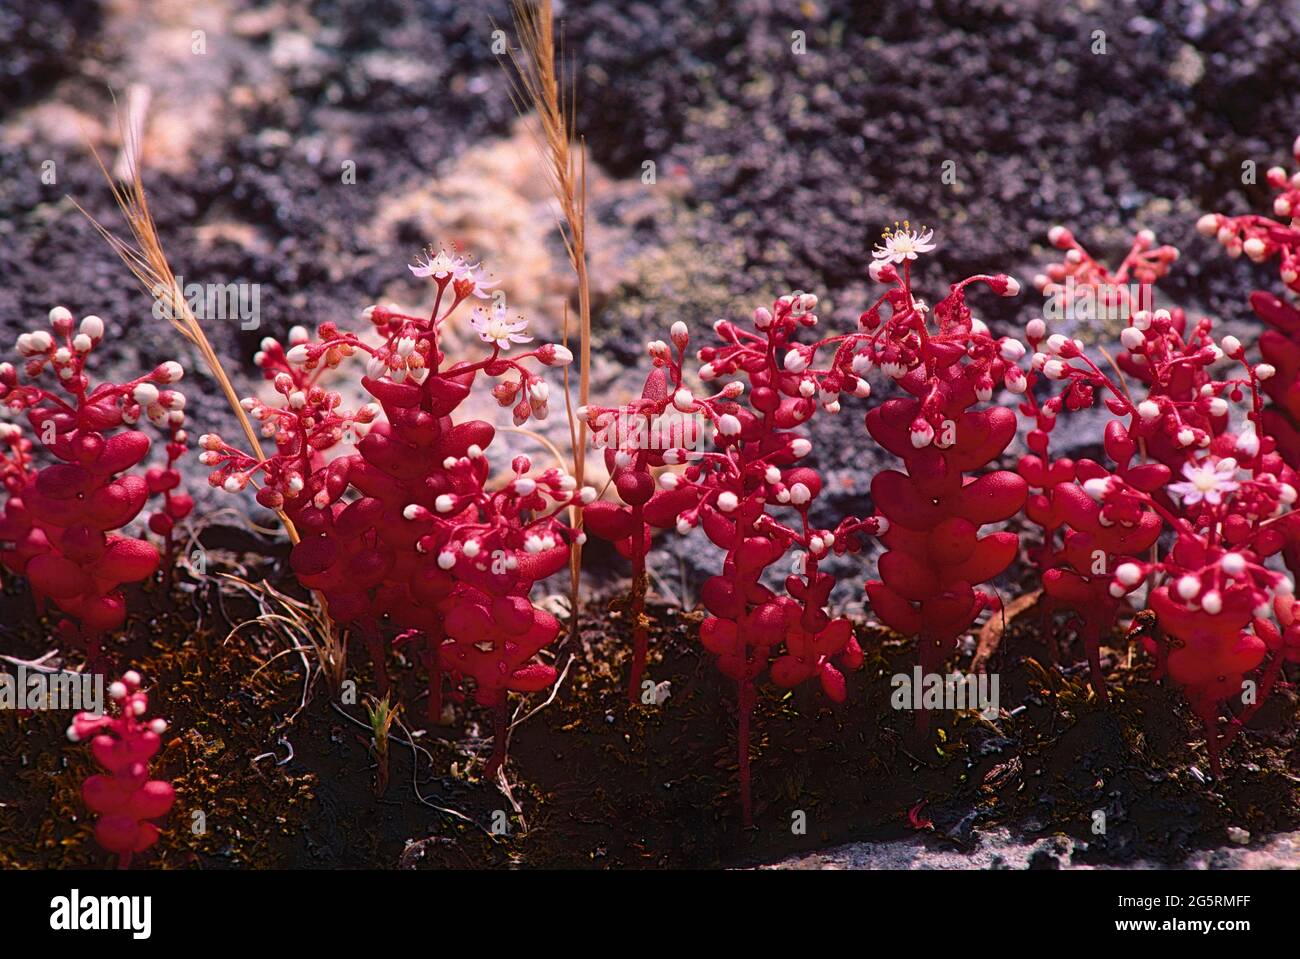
[[497, 329], [904, 244], [1206, 481]]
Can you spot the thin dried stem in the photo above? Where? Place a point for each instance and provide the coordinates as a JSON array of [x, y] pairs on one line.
[[536, 85], [147, 261]]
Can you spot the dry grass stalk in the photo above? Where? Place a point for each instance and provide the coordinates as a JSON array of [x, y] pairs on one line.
[[304, 626], [537, 84], [147, 261]]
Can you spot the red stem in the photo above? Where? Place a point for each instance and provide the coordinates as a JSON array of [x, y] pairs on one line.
[[500, 729], [746, 707], [640, 636], [1209, 714], [1092, 645], [1271, 673], [375, 647], [433, 666]]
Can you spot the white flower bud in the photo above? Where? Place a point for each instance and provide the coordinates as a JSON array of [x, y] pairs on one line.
[[1234, 564], [1097, 487], [1132, 339], [1130, 574], [93, 327], [1012, 350]]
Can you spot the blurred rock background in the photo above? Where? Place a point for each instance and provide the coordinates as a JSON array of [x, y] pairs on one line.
[[782, 138]]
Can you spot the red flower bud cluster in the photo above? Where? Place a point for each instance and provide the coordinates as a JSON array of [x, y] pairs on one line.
[[934, 511], [124, 797], [1160, 349], [62, 522], [630, 437], [402, 534], [734, 491], [1211, 592], [1261, 238]]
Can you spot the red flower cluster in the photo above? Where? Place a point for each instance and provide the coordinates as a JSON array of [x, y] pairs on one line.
[[1228, 514], [124, 798], [638, 439], [732, 491], [63, 520], [402, 534], [1261, 239], [1078, 571], [934, 510]]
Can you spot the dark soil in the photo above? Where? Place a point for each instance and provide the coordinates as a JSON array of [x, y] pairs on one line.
[[782, 169], [594, 782]]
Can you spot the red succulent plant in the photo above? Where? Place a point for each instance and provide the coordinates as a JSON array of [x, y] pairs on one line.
[[123, 797], [402, 535], [1211, 592], [63, 521], [736, 490], [935, 509]]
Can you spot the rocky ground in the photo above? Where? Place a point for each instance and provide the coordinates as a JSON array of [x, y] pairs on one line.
[[737, 152], [772, 169]]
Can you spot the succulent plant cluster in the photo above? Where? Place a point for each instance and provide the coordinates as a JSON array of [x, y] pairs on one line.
[[123, 797], [63, 523], [402, 531], [410, 535], [935, 509]]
